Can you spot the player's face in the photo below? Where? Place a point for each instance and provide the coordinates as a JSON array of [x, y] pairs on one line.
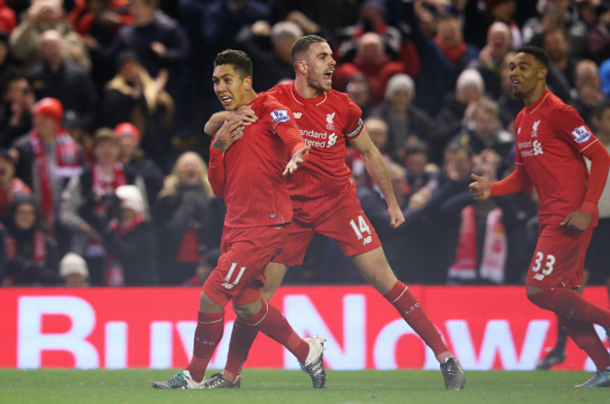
[[525, 74], [230, 88], [320, 66]]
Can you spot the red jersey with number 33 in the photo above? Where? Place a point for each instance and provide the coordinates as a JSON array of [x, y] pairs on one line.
[[324, 122], [550, 139]]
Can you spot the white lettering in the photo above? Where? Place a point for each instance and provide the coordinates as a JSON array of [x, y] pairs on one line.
[[498, 340], [31, 342], [161, 340], [115, 347], [306, 320], [384, 351]]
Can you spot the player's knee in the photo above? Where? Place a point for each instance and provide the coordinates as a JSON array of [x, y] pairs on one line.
[[246, 311], [207, 305], [268, 291]]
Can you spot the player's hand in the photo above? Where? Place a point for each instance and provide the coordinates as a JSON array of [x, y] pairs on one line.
[[230, 132], [578, 220], [479, 189], [396, 216], [245, 114], [296, 161]]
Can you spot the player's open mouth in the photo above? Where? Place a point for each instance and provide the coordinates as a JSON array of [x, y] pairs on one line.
[[515, 82], [328, 76], [225, 100]]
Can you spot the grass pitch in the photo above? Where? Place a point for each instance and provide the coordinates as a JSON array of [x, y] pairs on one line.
[[294, 387]]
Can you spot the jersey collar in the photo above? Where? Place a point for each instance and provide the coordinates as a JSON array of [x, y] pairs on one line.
[[535, 105], [316, 100]]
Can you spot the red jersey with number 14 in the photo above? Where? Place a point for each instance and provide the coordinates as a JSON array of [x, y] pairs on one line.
[[324, 122], [550, 139]]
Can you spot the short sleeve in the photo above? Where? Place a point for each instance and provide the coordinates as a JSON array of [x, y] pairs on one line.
[[569, 126], [354, 125]]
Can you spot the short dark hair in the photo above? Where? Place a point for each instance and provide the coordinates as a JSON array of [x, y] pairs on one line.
[[302, 44], [456, 147], [540, 54], [238, 59], [600, 109]]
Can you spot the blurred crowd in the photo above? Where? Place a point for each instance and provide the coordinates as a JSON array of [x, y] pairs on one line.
[[103, 179]]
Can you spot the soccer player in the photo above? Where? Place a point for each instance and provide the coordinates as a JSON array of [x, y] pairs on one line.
[[324, 201], [551, 142], [250, 178]]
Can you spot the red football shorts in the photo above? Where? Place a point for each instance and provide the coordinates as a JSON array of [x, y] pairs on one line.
[[559, 260], [240, 274], [338, 216]]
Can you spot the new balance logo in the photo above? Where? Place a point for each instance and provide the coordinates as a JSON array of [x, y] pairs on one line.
[[539, 277], [537, 148], [297, 115], [367, 240], [228, 285]]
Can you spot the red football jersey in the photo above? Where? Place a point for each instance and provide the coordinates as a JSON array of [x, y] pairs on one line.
[[324, 122], [250, 171], [550, 138]]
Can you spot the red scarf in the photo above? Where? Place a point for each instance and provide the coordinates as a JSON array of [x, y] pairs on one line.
[[68, 164], [100, 187], [494, 250], [114, 269], [39, 250], [454, 54], [7, 196]]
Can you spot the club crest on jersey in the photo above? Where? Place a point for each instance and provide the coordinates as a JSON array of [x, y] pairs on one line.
[[581, 134], [297, 115], [329, 121], [280, 115], [535, 128]]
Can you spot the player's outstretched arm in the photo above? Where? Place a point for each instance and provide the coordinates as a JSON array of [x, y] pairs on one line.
[[296, 161], [244, 113], [516, 182], [376, 167]]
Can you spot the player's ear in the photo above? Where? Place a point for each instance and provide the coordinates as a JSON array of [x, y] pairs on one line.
[[301, 66], [542, 73], [248, 83]]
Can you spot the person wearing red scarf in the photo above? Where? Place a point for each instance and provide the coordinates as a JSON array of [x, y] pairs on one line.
[[47, 157], [84, 201]]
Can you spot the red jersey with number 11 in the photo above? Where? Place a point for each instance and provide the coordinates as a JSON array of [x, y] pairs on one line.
[[324, 122], [550, 139]]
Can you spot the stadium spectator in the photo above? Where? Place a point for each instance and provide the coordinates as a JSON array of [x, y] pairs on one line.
[[555, 43], [403, 118], [557, 12], [415, 160], [479, 16], [270, 52], [598, 37], [359, 90], [15, 110], [134, 96], [85, 198], [450, 39], [10, 186], [31, 256], [44, 15], [56, 77], [8, 19], [456, 110], [130, 240], [486, 131], [586, 94], [181, 215], [132, 156], [492, 56], [73, 270], [47, 158], [372, 60]]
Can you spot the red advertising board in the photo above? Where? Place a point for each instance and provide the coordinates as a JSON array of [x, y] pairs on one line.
[[486, 327]]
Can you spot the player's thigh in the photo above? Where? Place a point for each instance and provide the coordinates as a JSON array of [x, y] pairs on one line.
[[374, 268], [559, 258], [274, 274], [298, 237], [240, 270], [350, 228]]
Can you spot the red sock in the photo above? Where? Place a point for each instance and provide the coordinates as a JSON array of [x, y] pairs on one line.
[[271, 321], [586, 338], [207, 336], [242, 338], [410, 309], [569, 304]]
